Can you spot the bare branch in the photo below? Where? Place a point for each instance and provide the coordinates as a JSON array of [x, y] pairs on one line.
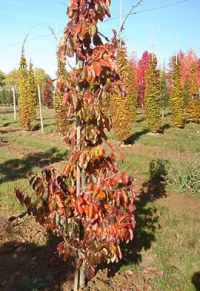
[[130, 13]]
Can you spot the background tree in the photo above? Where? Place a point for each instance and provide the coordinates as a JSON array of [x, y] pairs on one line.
[[152, 96], [47, 95], [5, 93], [12, 79], [164, 94], [61, 117], [32, 91], [2, 79], [24, 104], [176, 97], [193, 104], [140, 78], [123, 109], [186, 91], [187, 60], [41, 77]]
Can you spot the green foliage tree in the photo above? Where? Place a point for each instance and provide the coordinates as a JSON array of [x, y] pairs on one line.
[[12, 79], [41, 77], [60, 108], [2, 79], [193, 104], [4, 94], [176, 97], [123, 109], [152, 96]]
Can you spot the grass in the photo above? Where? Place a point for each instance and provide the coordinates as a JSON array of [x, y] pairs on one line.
[[176, 250], [166, 243]]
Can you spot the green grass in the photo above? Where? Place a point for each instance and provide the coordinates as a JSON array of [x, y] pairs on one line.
[[177, 242], [168, 248], [166, 242]]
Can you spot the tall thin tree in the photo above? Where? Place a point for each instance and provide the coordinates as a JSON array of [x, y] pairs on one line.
[[176, 97], [152, 96]]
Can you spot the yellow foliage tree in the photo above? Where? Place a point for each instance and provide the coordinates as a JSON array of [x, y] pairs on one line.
[[152, 96], [32, 92], [193, 105], [123, 108], [24, 104], [177, 98], [60, 107]]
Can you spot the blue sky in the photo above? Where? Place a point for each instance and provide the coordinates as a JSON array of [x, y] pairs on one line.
[[171, 27]]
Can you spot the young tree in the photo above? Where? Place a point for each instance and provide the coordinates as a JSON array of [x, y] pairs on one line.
[[140, 78], [186, 91], [32, 92], [164, 94], [123, 109], [47, 95], [60, 108], [91, 206], [176, 97], [193, 104], [152, 96], [24, 104]]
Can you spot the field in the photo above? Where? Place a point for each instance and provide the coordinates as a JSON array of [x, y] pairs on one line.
[[165, 253]]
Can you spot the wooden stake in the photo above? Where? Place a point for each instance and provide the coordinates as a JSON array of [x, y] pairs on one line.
[[76, 279], [79, 276]]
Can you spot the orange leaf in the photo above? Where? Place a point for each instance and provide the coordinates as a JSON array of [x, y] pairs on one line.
[[97, 68], [101, 195], [58, 201]]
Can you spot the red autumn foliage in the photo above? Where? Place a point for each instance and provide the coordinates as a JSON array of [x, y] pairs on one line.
[[94, 221], [140, 77]]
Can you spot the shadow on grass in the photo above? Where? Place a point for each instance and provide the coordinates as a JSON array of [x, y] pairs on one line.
[[196, 280], [146, 217], [17, 168], [164, 127], [131, 139], [141, 119], [2, 131], [27, 266], [37, 126]]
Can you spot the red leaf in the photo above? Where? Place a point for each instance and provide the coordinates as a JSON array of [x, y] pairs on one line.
[[115, 180], [89, 187], [59, 85], [124, 177], [20, 196], [60, 247], [65, 98]]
